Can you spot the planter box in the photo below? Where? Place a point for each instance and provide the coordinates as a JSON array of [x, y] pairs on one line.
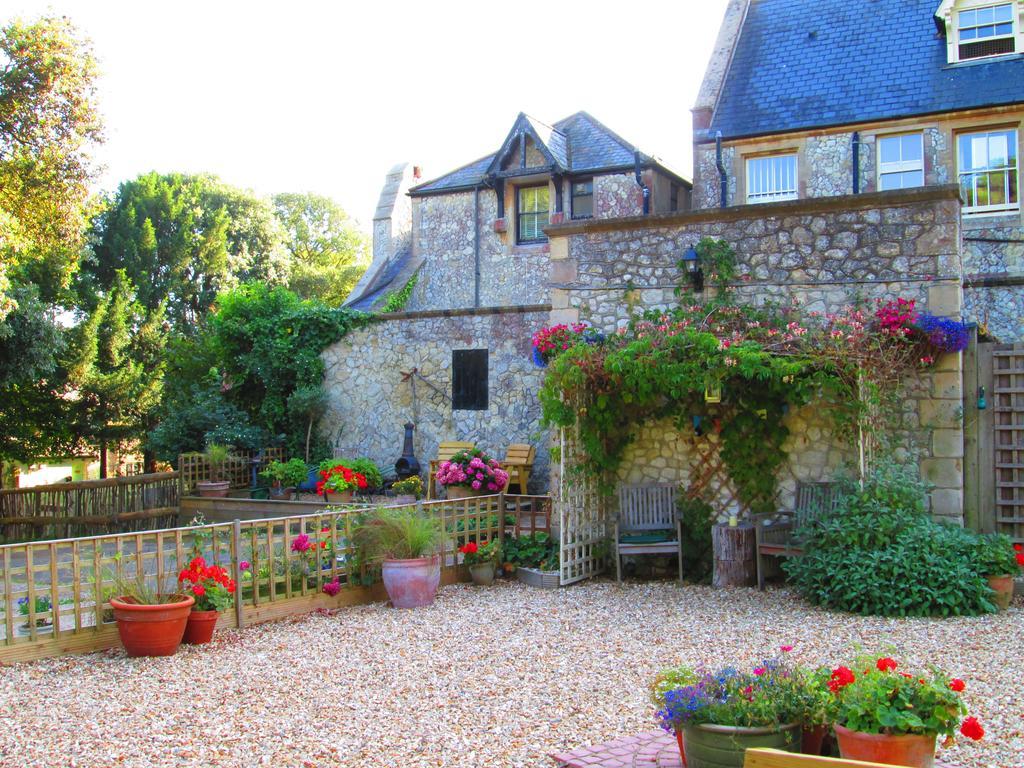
[[538, 578]]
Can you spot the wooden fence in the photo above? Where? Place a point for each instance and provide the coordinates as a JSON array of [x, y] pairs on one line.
[[237, 469], [89, 507], [54, 595]]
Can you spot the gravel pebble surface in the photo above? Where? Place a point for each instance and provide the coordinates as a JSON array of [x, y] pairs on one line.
[[499, 676]]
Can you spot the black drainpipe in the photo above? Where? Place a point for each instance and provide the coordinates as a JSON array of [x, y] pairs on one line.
[[640, 182], [856, 162], [723, 178], [476, 245]]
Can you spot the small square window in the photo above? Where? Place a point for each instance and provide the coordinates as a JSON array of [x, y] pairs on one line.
[[583, 199], [469, 380], [985, 31], [772, 178], [532, 209], [900, 161]]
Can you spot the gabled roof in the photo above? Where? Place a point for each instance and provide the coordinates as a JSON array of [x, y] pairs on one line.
[[576, 144], [800, 65]]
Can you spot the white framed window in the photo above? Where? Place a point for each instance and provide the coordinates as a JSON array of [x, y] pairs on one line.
[[772, 178], [985, 31], [900, 161], [989, 170]]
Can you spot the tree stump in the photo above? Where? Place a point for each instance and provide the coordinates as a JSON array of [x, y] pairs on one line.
[[735, 565]]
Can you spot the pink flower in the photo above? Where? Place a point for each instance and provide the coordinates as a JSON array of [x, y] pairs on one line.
[[244, 565], [476, 485], [785, 648], [332, 588], [760, 671]]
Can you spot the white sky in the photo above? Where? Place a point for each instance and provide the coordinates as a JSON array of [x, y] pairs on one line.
[[300, 95]]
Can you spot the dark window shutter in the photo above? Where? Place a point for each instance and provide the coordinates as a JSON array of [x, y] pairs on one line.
[[469, 380]]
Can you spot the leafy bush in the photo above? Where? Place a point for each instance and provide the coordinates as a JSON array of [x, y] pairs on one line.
[[880, 553], [288, 473], [994, 555], [536, 550], [697, 517]]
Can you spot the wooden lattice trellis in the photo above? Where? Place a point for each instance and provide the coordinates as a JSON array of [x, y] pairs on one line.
[[583, 519], [708, 477]]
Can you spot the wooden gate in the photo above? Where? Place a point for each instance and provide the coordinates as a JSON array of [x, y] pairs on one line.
[[994, 438], [583, 522]]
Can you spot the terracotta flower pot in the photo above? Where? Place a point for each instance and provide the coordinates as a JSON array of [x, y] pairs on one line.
[[412, 583], [334, 497], [482, 574], [1003, 587], [811, 739], [460, 492], [724, 746], [200, 626], [213, 489], [151, 630], [279, 493], [904, 749]]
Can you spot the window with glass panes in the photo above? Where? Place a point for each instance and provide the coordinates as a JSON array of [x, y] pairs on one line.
[[989, 171], [771, 178], [985, 31], [532, 208], [583, 199], [900, 161]]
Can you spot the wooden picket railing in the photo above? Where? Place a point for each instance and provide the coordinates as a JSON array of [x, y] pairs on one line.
[[54, 595], [237, 469], [88, 507]]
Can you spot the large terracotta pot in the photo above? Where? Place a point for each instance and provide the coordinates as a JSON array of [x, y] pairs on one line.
[[213, 489], [905, 749], [1003, 587], [460, 492], [339, 498], [199, 629], [151, 630], [482, 574], [723, 746], [412, 583]]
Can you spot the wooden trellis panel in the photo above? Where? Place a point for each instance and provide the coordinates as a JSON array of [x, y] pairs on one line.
[[237, 469], [583, 521], [1008, 435]]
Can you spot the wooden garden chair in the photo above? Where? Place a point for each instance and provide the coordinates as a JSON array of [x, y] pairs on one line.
[[647, 517], [444, 452], [775, 534], [761, 757], [519, 463]]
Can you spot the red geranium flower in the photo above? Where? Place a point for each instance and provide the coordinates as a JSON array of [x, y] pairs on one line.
[[841, 676], [885, 664], [957, 684], [972, 729], [199, 590]]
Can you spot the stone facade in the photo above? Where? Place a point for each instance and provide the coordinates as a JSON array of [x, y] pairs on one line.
[[369, 400], [821, 253], [617, 195]]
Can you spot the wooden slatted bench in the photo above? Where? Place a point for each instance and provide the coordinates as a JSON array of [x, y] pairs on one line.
[[646, 513], [775, 534], [519, 464]]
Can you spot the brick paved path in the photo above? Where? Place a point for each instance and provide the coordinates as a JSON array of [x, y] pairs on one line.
[[655, 749]]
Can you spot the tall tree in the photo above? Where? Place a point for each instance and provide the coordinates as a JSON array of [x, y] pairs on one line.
[[329, 252], [181, 240], [48, 127]]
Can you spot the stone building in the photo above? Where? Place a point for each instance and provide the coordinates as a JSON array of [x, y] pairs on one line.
[[837, 98], [470, 248]]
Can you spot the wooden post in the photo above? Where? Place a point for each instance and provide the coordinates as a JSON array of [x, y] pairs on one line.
[[236, 559], [733, 546]]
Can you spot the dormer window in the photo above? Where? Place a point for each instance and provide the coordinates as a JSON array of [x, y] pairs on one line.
[[981, 29]]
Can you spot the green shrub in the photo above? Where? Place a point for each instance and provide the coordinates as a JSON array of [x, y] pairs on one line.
[[994, 555], [537, 550], [697, 517], [880, 553]]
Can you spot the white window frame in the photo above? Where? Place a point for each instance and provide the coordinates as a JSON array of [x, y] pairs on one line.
[[1003, 208], [900, 166], [949, 13], [773, 196]]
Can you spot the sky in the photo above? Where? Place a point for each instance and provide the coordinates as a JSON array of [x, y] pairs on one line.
[[326, 96]]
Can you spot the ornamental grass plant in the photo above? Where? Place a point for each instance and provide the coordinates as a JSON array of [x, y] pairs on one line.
[[397, 533]]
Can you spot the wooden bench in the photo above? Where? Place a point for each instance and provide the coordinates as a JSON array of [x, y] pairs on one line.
[[761, 757], [444, 453], [645, 512], [775, 534], [519, 463]]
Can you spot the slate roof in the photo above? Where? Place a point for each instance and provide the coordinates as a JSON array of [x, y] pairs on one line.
[[580, 143], [800, 64]]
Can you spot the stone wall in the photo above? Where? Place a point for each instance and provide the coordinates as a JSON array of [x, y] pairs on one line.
[[617, 195], [369, 402], [822, 253]]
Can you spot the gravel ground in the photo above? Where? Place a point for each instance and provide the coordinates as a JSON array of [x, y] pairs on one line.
[[486, 677]]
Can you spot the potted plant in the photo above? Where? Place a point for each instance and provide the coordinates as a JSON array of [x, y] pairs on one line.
[[284, 477], [214, 487], [717, 716], [998, 561], [338, 483], [149, 622], [408, 542], [409, 490], [41, 604], [481, 559], [886, 715], [213, 591], [471, 473], [534, 558]]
